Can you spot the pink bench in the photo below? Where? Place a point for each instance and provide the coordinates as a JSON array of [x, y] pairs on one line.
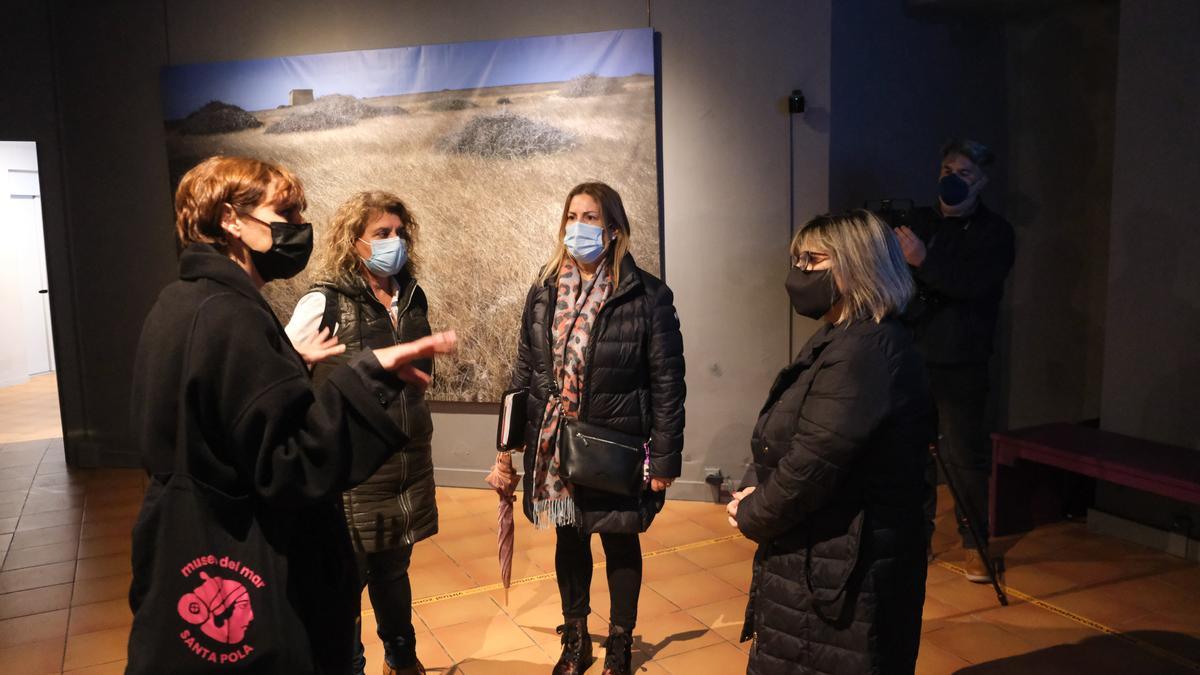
[[1022, 491]]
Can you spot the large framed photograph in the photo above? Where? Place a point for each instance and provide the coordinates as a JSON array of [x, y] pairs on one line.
[[482, 140]]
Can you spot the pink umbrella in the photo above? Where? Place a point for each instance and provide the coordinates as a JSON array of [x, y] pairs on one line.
[[504, 479]]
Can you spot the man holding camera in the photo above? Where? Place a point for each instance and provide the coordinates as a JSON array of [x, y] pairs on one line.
[[960, 253]]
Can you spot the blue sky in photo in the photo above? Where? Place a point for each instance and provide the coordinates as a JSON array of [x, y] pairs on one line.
[[264, 83]]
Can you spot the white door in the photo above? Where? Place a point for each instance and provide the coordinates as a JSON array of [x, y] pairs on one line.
[[25, 211]]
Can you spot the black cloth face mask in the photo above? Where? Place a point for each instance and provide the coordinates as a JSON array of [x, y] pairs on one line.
[[813, 292], [291, 246]]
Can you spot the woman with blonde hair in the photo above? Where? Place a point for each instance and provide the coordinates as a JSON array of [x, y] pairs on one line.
[[367, 296], [240, 552], [839, 457], [600, 346]]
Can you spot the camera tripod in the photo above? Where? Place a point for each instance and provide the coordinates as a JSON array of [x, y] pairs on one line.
[[994, 567]]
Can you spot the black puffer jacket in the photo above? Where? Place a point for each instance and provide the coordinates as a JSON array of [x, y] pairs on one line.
[[396, 506], [840, 451], [633, 383]]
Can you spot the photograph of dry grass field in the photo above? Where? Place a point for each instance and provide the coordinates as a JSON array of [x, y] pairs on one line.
[[485, 170]]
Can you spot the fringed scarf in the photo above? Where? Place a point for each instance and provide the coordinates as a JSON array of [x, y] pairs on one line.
[[575, 313]]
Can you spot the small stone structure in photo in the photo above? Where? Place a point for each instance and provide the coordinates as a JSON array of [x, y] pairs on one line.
[[300, 96]]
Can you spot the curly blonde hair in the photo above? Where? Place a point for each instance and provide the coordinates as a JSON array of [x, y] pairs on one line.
[[337, 261]]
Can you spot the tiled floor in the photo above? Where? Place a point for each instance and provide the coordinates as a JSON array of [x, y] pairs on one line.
[[64, 540]]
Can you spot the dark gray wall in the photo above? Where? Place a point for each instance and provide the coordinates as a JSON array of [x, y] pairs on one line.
[[1151, 361], [726, 69], [1061, 93], [1151, 364], [902, 83]]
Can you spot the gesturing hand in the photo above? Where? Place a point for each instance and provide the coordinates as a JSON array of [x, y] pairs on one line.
[[911, 245], [318, 347], [398, 358], [732, 507]]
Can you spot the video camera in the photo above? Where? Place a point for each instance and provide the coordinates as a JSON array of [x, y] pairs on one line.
[[894, 212]]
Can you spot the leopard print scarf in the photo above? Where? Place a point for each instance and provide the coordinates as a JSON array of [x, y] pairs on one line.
[[575, 313]]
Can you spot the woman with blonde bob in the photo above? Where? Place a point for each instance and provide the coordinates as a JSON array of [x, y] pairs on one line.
[[367, 296], [599, 344], [240, 551], [839, 454]]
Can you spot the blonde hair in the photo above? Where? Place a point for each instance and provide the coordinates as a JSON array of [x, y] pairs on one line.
[[612, 214], [241, 182], [337, 261], [865, 259]]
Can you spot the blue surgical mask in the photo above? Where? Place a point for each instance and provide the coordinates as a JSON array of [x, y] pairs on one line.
[[584, 242], [388, 256]]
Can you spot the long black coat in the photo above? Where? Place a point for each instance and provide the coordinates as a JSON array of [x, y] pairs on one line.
[[216, 372], [632, 382], [840, 450], [397, 505]]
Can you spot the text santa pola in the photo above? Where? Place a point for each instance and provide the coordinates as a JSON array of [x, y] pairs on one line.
[[219, 607]]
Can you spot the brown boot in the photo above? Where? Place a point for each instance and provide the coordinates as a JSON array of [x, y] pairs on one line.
[[618, 654], [976, 570], [577, 648]]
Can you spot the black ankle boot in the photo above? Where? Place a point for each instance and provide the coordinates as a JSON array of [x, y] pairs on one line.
[[577, 648], [618, 648]]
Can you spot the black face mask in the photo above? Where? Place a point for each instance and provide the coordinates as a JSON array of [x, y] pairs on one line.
[[813, 293], [953, 190], [291, 245]]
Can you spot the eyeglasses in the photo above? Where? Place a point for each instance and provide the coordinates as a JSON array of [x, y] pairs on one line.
[[808, 259]]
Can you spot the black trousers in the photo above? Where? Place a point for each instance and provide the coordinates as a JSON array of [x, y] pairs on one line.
[[385, 574], [960, 393], [573, 564]]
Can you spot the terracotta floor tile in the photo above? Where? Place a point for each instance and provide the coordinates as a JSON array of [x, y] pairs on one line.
[[35, 658], [102, 546], [45, 536], [693, 590], [666, 567], [125, 495], [11, 509], [12, 496], [719, 658], [431, 581], [527, 661], [37, 577], [933, 660], [459, 610], [33, 628], [429, 652], [35, 601], [36, 521], [102, 566], [52, 502], [108, 528], [100, 589], [524, 597], [738, 574], [686, 532], [482, 638], [426, 553], [725, 617], [485, 571], [977, 642], [40, 555], [114, 668], [108, 512], [671, 634], [650, 602], [99, 616], [93, 649], [717, 555], [465, 549], [8, 525]]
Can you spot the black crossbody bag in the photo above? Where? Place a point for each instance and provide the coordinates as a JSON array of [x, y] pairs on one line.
[[600, 458]]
